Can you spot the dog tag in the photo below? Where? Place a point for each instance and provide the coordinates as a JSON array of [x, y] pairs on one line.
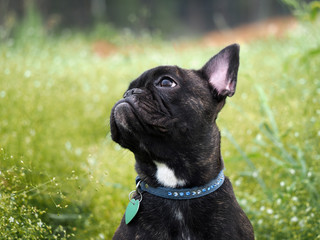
[[132, 210]]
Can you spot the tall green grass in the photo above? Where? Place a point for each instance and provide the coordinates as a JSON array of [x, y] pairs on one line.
[[62, 176]]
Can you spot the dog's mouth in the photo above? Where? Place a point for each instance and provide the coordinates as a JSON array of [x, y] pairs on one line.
[[132, 119]]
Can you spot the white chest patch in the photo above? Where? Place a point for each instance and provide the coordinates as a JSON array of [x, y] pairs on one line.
[[178, 215], [166, 176]]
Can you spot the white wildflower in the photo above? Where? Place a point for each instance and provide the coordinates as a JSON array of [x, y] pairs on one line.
[[78, 151], [302, 81], [294, 219], [279, 201], [11, 219], [27, 74], [68, 146], [91, 160], [40, 223], [237, 182], [2, 94], [302, 223], [258, 137], [243, 202], [269, 211]]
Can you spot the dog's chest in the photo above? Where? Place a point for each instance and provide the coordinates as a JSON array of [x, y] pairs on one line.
[[184, 230], [169, 219]]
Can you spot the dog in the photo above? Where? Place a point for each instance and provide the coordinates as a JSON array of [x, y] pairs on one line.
[[167, 118]]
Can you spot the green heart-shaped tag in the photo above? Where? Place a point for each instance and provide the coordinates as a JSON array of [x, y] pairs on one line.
[[132, 210]]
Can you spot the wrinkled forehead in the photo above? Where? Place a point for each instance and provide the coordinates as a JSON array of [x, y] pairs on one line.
[[156, 73]]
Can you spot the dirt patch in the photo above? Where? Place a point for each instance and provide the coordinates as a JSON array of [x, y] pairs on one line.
[[103, 48], [274, 27]]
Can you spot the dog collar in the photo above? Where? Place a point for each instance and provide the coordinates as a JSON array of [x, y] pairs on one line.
[[181, 193]]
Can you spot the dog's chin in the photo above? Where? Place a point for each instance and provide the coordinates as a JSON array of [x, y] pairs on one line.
[[123, 122], [121, 113]]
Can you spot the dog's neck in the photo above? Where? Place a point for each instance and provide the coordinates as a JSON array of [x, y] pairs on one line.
[[190, 167]]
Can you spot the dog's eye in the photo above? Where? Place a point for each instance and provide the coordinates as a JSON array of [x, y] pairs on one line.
[[167, 82]]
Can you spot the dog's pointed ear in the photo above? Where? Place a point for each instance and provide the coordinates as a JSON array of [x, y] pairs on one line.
[[221, 70]]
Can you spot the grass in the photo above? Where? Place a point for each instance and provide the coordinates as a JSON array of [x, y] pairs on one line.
[[62, 177]]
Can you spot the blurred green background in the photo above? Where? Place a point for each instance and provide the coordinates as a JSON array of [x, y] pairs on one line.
[[63, 65]]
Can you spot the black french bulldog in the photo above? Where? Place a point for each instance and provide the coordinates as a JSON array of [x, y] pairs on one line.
[[167, 118]]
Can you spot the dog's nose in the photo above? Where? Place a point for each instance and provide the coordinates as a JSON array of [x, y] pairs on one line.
[[132, 91]]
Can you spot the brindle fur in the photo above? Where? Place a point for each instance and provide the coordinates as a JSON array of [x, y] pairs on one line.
[[177, 126]]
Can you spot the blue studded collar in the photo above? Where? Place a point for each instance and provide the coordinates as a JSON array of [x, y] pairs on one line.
[[181, 193]]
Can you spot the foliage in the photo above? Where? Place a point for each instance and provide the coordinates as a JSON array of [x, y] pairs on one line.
[[167, 18], [19, 218], [303, 10], [62, 177]]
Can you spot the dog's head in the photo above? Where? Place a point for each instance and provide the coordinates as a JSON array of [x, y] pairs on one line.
[[168, 111]]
